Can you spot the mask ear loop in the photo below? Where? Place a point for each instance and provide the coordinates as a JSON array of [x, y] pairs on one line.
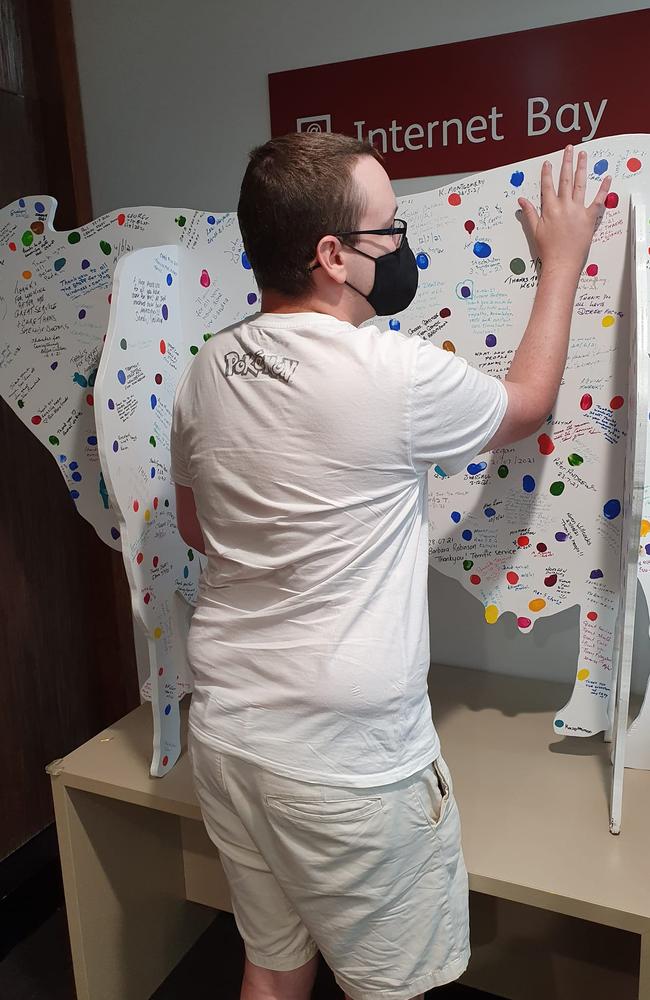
[[363, 254], [312, 267]]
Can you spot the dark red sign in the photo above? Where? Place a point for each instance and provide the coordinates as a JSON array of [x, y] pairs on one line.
[[478, 104]]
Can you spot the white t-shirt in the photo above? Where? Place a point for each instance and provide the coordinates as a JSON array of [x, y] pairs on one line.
[[307, 442]]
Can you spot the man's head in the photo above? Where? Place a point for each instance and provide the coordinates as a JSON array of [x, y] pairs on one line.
[[301, 190]]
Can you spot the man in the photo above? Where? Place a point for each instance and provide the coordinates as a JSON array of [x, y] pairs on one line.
[[300, 450]]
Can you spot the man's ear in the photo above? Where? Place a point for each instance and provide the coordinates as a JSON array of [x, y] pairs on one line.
[[329, 257]]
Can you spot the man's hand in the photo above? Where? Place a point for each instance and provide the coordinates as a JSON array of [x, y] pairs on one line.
[[564, 230]]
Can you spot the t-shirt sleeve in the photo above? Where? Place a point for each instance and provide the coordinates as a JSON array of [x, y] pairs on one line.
[[180, 470], [455, 409]]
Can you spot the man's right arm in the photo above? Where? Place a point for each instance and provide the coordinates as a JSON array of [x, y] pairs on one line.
[[562, 235]]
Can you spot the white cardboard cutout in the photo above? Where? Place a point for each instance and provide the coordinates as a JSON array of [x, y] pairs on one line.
[[536, 528], [635, 474], [477, 282], [167, 301]]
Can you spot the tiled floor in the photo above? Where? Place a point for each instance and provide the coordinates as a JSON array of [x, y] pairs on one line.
[[40, 968]]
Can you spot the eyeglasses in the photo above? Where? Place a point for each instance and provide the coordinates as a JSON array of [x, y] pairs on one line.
[[397, 231]]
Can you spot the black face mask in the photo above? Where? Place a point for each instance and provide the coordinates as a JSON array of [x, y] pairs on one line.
[[396, 280]]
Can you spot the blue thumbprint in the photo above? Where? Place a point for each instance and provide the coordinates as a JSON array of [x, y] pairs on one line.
[[482, 249], [245, 261], [600, 167], [422, 261], [476, 467], [121, 377], [455, 516], [489, 511], [612, 509], [517, 179], [394, 324], [528, 484], [467, 535]]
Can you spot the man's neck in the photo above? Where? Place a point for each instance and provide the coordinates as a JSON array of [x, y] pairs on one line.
[[346, 311]]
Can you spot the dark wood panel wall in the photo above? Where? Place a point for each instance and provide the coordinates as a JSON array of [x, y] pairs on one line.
[[67, 662]]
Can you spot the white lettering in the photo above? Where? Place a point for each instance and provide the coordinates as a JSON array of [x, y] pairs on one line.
[[445, 127], [571, 127], [494, 114], [430, 128], [481, 123], [415, 130], [532, 101], [594, 122], [377, 131], [394, 129], [359, 128]]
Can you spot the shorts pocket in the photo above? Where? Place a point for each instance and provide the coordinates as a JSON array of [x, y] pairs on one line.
[[207, 769], [432, 792], [315, 812]]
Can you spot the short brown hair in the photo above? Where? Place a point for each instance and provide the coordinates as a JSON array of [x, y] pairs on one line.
[[297, 188]]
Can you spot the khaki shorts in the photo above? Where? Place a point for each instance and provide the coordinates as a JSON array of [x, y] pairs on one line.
[[373, 878]]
